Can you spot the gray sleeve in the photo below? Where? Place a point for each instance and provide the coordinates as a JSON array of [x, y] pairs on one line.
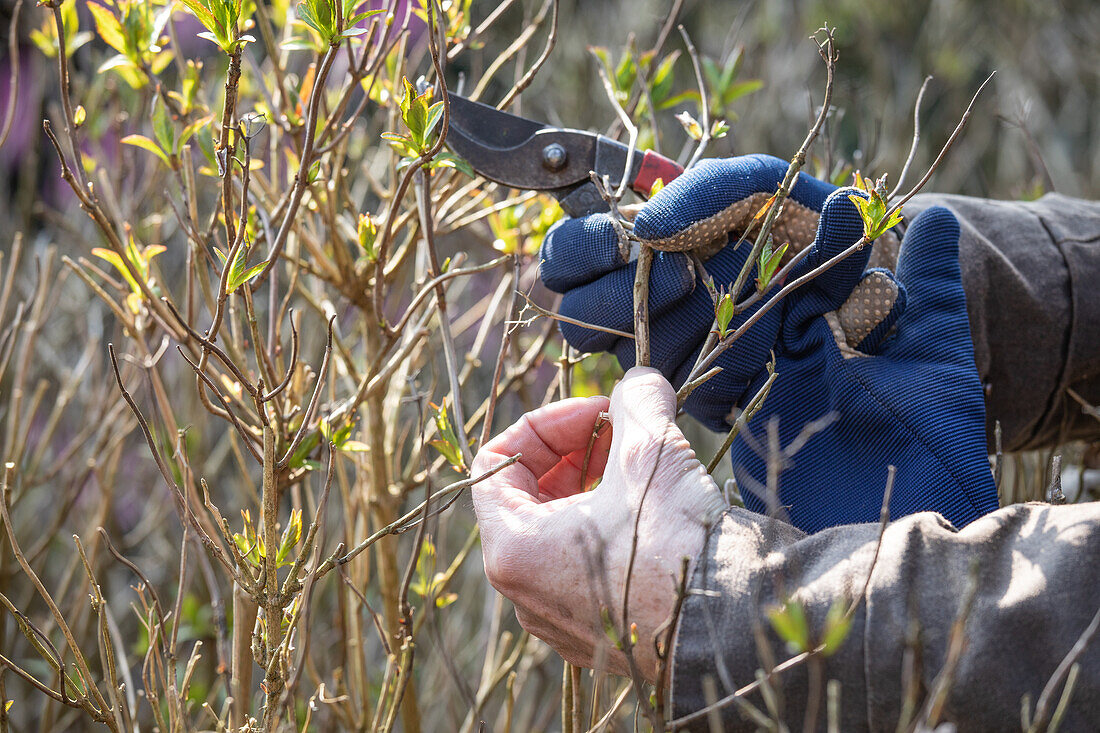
[[1031, 271], [1037, 589]]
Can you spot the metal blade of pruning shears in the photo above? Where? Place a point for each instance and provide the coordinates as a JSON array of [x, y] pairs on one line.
[[521, 153]]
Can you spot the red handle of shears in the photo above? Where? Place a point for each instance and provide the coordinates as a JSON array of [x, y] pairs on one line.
[[655, 166]]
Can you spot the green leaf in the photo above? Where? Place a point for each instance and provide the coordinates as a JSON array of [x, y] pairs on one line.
[[292, 534], [141, 141], [243, 545], [723, 313], [435, 114], [837, 626], [353, 20], [691, 125], [609, 628], [741, 89], [446, 159], [789, 622], [299, 459], [113, 257], [768, 264], [223, 18], [188, 132], [248, 542], [733, 66], [603, 56], [108, 27], [625, 73], [691, 95], [451, 452], [307, 16], [367, 233], [301, 44], [712, 73], [200, 11], [162, 126], [210, 36], [322, 12], [661, 82], [341, 435], [245, 276], [118, 61], [414, 113], [873, 208], [424, 586], [238, 275], [407, 97], [447, 444]]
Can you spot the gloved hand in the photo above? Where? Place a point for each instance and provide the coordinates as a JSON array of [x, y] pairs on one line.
[[581, 259], [911, 399]]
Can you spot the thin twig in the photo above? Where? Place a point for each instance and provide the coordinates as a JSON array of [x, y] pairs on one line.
[[943, 151], [916, 139], [529, 75], [747, 414], [311, 409], [704, 101], [505, 340], [301, 179], [884, 519], [1042, 707], [13, 83], [625, 630], [566, 319], [344, 558]]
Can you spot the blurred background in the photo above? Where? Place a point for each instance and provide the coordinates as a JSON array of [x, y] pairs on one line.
[[1035, 129]]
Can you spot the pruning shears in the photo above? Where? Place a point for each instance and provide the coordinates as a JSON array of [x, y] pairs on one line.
[[525, 154]]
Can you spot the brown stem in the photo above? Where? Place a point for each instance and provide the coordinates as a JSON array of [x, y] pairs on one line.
[[704, 100], [13, 90], [529, 75], [641, 307], [222, 152], [301, 179], [272, 601]]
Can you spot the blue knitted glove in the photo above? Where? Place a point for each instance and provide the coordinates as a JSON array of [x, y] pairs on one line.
[[911, 399], [580, 258]]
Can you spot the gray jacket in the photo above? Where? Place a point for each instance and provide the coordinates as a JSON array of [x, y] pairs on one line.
[[1031, 273]]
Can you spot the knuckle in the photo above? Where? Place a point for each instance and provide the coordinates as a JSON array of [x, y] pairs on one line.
[[640, 453]]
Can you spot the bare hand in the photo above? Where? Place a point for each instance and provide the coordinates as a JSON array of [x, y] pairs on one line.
[[561, 554]]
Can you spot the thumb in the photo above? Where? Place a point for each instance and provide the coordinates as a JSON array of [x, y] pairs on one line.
[[643, 413], [840, 227], [648, 450], [643, 402]]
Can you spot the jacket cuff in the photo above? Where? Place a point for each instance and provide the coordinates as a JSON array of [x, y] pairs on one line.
[[1075, 226], [724, 636]]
